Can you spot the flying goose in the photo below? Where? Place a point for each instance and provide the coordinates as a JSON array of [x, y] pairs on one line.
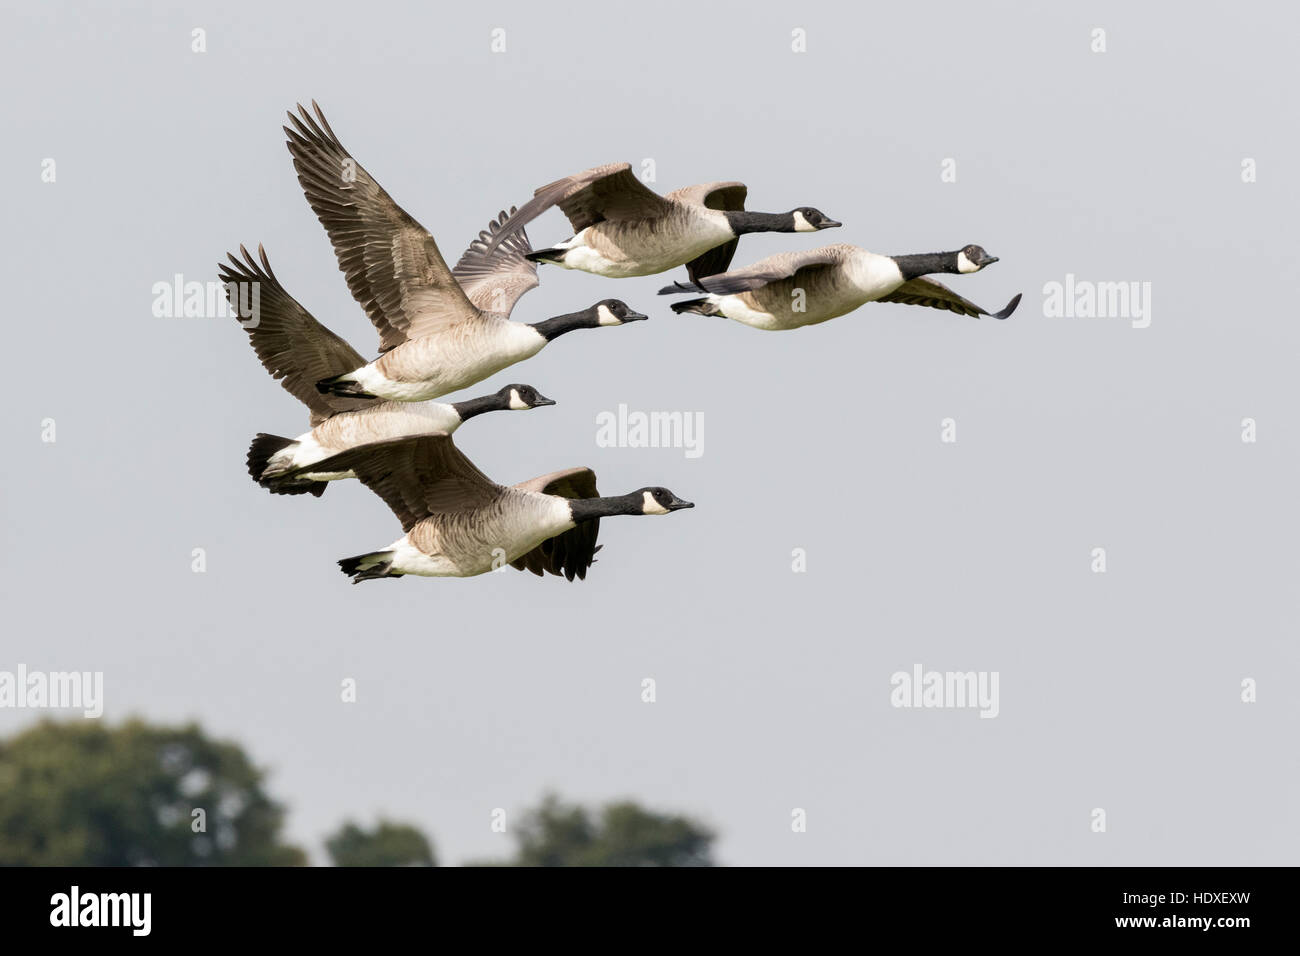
[[794, 289], [440, 329], [622, 228], [298, 350], [459, 523]]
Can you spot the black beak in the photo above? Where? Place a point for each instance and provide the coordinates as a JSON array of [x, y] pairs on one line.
[[829, 224], [988, 261], [634, 317], [542, 400], [679, 504]]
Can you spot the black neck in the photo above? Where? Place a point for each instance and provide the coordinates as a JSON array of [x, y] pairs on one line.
[[477, 406], [585, 509], [927, 263], [557, 326], [743, 223]]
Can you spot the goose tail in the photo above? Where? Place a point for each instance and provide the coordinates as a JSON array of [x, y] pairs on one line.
[[270, 456], [369, 567], [546, 255], [343, 386], [703, 306]]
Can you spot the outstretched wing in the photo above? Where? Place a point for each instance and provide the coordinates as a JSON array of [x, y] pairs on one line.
[[494, 277], [291, 344], [721, 195], [764, 272], [392, 264], [417, 477], [936, 295], [591, 196], [728, 196], [572, 552]]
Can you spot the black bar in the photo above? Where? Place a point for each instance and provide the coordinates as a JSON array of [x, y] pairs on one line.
[[301, 905]]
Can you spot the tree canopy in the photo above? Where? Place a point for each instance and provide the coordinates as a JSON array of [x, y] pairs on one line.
[[81, 793], [618, 834], [388, 844], [84, 793]]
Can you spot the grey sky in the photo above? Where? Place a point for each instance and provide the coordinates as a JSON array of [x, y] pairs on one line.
[[1118, 690]]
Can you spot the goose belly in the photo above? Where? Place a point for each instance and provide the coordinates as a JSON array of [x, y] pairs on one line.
[[777, 308], [382, 422], [624, 249], [475, 542], [426, 368], [410, 559]]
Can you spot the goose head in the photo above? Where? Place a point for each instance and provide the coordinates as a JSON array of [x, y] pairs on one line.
[[614, 312], [660, 501], [973, 258], [518, 398], [808, 219], [604, 313]]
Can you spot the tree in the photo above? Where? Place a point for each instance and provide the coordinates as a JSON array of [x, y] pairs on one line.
[[389, 844], [85, 794], [619, 834]]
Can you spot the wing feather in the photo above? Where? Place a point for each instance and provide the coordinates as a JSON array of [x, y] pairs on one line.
[[294, 347], [417, 477], [935, 295], [494, 277], [391, 262], [594, 195], [762, 273]]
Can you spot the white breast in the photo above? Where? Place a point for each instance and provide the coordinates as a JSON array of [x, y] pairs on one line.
[[525, 520], [435, 417], [444, 363], [875, 275]]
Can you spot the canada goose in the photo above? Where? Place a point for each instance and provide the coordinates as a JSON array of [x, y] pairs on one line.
[[459, 523], [794, 289], [298, 350], [622, 228], [437, 334]]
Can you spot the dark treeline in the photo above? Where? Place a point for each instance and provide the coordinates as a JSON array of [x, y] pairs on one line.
[[82, 793]]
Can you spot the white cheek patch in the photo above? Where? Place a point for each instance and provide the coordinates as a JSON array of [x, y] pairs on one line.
[[516, 403], [606, 317], [964, 265], [651, 507], [801, 224]]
